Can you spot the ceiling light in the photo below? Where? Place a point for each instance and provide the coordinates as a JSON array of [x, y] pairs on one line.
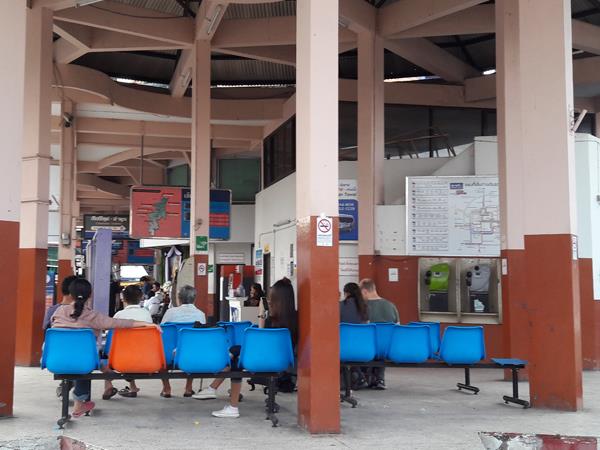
[[489, 72], [406, 79]]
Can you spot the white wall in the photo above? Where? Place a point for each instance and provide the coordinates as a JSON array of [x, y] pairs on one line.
[[53, 211]]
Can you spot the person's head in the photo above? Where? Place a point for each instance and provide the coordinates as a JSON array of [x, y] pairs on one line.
[[368, 289], [155, 286], [282, 305], [352, 290], [187, 295], [66, 283], [256, 291], [80, 290], [132, 294]]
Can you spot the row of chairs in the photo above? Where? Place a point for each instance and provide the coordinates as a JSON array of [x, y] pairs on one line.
[[145, 350], [416, 342]]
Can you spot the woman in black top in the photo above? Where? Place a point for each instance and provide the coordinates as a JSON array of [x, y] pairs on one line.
[[256, 294], [353, 309]]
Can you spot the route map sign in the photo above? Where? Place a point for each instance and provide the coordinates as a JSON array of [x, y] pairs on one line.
[[118, 224], [165, 212], [453, 216]]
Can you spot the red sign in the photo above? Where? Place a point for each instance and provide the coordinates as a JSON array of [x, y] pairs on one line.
[[156, 212]]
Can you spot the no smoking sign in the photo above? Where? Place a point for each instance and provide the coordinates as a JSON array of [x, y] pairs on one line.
[[324, 232]]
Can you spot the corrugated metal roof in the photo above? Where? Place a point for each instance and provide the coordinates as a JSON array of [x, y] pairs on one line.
[[260, 10], [164, 6], [234, 71]]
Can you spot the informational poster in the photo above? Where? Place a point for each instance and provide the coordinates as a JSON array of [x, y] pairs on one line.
[[117, 223], [348, 210], [165, 212], [453, 216], [324, 232]]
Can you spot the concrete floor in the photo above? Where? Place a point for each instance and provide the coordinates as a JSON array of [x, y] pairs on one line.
[[420, 410]]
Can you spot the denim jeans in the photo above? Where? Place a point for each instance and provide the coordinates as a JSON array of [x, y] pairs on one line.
[[82, 390]]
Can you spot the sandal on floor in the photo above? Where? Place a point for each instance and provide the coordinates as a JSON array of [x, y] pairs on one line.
[[87, 407], [188, 394], [110, 394], [163, 395], [126, 392]]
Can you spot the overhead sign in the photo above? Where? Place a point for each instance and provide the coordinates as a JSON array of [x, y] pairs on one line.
[[324, 232], [452, 216], [165, 212], [118, 224], [348, 210]]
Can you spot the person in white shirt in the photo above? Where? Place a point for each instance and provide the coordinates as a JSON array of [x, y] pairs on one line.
[[132, 296], [154, 302], [185, 313]]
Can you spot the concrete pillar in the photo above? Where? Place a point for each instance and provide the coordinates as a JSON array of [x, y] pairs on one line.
[[12, 75], [33, 242], [317, 194], [200, 168], [68, 190], [537, 195], [371, 145]]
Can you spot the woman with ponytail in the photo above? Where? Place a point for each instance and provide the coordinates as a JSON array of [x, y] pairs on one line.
[[79, 314]]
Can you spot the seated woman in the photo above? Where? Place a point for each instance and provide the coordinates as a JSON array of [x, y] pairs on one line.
[[282, 314], [256, 293], [185, 313], [132, 296], [79, 314], [353, 309]]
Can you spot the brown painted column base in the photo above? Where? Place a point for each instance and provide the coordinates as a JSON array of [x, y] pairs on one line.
[[65, 269], [553, 310], [590, 317], [9, 243], [318, 347], [31, 292], [203, 302]]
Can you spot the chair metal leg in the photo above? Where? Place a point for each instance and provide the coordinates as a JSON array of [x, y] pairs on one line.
[[347, 395], [272, 407], [515, 397], [64, 385], [467, 384]]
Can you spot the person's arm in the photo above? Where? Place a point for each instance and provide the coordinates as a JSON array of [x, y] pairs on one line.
[[396, 315], [261, 315]]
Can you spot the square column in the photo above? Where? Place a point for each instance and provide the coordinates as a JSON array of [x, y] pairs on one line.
[[537, 196], [68, 190], [371, 145], [200, 168], [316, 195], [12, 76], [33, 245]]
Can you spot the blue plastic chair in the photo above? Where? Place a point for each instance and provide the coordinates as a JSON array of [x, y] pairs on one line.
[[235, 331], [169, 338], [70, 351], [383, 332], [202, 350], [409, 344], [358, 342], [267, 350], [434, 334], [462, 345]]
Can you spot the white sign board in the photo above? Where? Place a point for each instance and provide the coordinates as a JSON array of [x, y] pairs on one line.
[[453, 216], [324, 232]]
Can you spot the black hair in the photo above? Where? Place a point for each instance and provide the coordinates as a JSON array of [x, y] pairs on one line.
[[80, 289], [156, 284], [64, 287], [132, 294], [282, 307], [353, 291], [259, 290]]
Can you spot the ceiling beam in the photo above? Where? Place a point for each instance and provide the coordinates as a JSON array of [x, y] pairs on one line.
[[357, 15], [405, 14], [64, 52], [279, 54], [586, 36], [95, 182], [432, 58], [114, 16], [230, 143], [150, 142]]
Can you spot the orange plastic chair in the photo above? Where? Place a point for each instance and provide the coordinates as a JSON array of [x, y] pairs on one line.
[[137, 350]]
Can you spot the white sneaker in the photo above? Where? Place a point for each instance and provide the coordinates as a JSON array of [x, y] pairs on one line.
[[229, 412], [206, 394]]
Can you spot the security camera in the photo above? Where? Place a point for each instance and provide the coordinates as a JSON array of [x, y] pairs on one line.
[[67, 120]]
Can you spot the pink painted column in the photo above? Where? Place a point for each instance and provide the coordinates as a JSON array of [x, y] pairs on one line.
[[200, 168], [33, 242], [12, 75], [316, 195], [68, 191], [370, 138], [536, 169]]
